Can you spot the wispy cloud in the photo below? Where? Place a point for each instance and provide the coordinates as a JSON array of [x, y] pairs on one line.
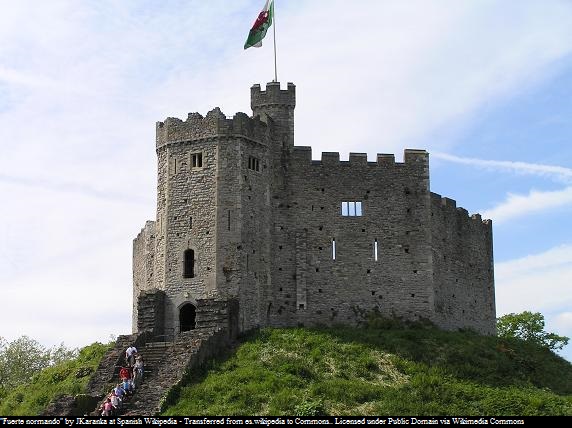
[[519, 205], [534, 202], [559, 173], [538, 283], [19, 78], [550, 259], [50, 184], [563, 321]]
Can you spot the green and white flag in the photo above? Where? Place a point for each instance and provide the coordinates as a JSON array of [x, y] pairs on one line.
[[261, 25]]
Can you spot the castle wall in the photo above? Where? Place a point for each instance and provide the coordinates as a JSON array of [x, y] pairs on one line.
[[243, 225], [308, 285], [463, 268], [143, 265], [263, 218], [151, 310], [190, 218], [195, 204]]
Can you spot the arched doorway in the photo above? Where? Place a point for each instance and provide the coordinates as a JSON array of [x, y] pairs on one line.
[[187, 315]]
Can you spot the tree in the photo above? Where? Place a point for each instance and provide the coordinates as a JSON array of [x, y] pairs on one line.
[[529, 326], [24, 357]]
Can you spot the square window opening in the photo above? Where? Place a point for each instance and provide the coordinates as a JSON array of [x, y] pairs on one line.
[[352, 209], [197, 160]]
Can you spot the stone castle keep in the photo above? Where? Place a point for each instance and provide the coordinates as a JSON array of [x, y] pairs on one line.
[[250, 227]]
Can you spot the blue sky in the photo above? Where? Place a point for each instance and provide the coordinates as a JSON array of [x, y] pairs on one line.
[[484, 86]]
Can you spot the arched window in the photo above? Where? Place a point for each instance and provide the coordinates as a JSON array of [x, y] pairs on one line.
[[187, 315], [189, 264]]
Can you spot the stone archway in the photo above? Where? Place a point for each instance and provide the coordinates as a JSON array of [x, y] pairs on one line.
[[187, 317]]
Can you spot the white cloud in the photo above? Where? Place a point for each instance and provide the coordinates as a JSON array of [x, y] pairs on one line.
[[521, 205], [563, 321], [560, 173], [539, 283], [560, 322]]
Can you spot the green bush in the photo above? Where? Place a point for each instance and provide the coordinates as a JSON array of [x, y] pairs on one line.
[[30, 398]]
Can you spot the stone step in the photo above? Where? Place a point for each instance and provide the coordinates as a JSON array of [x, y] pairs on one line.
[[157, 344], [165, 365]]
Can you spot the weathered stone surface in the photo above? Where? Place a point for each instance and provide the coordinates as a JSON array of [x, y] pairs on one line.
[[167, 364], [151, 310], [262, 217]]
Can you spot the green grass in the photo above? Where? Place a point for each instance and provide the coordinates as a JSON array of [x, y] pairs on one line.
[[379, 371], [69, 378]]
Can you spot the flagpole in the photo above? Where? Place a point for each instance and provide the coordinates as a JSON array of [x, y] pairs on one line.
[[274, 30]]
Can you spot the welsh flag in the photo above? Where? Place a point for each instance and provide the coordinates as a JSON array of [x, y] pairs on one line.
[[261, 25]]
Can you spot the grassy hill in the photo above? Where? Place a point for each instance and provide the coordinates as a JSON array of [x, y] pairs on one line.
[[389, 369], [67, 378], [379, 371]]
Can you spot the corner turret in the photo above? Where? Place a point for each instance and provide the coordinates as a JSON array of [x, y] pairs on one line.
[[279, 106]]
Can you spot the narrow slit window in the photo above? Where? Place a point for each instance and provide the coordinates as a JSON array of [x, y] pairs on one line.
[[333, 248], [375, 250], [172, 165], [190, 222], [228, 219], [189, 264]]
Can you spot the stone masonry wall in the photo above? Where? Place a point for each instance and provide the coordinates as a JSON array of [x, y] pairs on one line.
[[265, 235], [243, 225], [309, 286], [195, 204], [151, 310], [190, 215], [143, 265], [463, 268]]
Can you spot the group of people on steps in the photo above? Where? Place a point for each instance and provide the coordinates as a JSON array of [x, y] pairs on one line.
[[130, 376]]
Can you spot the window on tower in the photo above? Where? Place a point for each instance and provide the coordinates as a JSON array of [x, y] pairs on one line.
[[253, 163], [189, 264], [197, 160]]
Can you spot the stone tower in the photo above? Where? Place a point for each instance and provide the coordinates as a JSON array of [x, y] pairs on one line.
[[245, 216]]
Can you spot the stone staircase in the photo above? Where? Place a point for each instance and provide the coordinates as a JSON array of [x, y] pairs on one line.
[[108, 369], [151, 390], [166, 366]]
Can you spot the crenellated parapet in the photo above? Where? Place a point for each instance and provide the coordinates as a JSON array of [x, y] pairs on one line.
[[214, 124], [272, 96], [448, 208], [302, 156]]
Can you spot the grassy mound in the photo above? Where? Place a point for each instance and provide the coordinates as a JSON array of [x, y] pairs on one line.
[[69, 377], [379, 371]]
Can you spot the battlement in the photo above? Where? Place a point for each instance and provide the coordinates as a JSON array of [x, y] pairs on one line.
[[449, 207], [302, 155], [214, 124], [146, 231], [272, 96]]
